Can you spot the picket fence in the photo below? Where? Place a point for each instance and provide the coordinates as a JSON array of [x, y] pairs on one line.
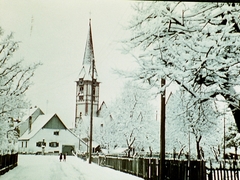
[[148, 168], [229, 170], [7, 162]]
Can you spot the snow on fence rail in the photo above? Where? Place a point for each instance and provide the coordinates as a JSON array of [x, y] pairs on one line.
[[148, 168], [7, 162]]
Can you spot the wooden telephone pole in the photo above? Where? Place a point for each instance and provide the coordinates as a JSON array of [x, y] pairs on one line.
[[91, 117], [162, 131]]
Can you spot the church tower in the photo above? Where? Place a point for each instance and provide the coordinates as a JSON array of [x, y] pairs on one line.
[[84, 82]]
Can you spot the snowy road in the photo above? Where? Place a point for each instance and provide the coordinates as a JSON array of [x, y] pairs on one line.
[[37, 167]]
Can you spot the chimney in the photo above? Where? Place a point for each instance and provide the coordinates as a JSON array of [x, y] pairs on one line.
[[30, 124]]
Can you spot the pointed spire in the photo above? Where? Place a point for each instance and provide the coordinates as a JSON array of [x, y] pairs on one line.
[[86, 71], [89, 53]]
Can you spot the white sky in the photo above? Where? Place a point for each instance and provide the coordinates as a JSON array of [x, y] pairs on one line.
[[54, 32]]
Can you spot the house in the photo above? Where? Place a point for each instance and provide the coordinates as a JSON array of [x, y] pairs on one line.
[[47, 134]]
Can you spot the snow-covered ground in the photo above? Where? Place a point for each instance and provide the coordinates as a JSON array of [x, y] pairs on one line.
[[38, 167]]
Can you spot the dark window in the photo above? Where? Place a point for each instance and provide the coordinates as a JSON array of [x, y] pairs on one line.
[[53, 144], [22, 143], [56, 133], [26, 144], [80, 81], [81, 90], [40, 144], [80, 98]]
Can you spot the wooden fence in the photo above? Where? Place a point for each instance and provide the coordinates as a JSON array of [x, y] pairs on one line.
[[226, 170], [148, 168], [7, 162]]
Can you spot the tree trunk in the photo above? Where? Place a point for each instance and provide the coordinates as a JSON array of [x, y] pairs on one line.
[[180, 152], [150, 149], [128, 152], [236, 115], [198, 147], [236, 156]]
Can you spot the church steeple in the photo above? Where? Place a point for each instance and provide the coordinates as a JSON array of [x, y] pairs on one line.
[[84, 82], [86, 71], [89, 53]]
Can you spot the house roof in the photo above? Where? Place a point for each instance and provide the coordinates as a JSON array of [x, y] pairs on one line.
[[29, 112], [37, 125], [97, 121]]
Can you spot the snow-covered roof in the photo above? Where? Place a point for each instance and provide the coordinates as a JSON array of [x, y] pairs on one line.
[[37, 125], [85, 73], [97, 121], [29, 112]]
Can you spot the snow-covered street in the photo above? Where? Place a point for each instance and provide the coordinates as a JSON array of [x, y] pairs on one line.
[[40, 167]]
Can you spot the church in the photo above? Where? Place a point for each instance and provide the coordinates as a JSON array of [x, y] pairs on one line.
[[85, 92]]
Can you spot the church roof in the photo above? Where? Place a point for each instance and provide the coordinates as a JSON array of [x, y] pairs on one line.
[[86, 71]]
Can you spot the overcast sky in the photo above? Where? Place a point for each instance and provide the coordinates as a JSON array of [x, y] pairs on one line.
[[54, 32]]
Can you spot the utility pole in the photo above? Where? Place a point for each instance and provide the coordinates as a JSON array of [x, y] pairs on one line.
[[162, 132], [224, 138], [91, 117]]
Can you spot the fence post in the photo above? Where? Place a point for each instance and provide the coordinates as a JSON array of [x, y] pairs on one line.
[[145, 168], [133, 166], [137, 166], [203, 170], [119, 164]]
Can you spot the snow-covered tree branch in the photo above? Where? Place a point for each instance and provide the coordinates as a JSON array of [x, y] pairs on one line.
[[14, 82], [232, 138], [198, 120], [133, 125], [196, 45]]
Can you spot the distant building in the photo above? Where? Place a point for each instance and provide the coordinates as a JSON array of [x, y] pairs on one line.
[[47, 134]]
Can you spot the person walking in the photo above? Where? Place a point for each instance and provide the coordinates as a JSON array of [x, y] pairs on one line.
[[64, 156], [60, 158]]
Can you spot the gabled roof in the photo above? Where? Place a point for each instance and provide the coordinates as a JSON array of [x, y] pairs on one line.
[[38, 124], [24, 124], [103, 111], [36, 111], [85, 74]]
